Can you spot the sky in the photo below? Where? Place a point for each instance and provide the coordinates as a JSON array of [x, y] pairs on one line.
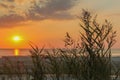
[[45, 22]]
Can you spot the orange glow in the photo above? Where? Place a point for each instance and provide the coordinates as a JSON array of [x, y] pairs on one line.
[[16, 52]]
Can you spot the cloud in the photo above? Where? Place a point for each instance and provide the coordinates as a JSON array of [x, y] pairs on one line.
[[3, 5], [10, 20], [56, 9], [38, 10], [10, 0], [6, 6], [58, 5]]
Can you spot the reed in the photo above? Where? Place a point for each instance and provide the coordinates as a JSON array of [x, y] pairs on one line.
[[38, 68], [54, 64]]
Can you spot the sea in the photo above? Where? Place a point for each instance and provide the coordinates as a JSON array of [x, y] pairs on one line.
[[26, 52], [14, 52]]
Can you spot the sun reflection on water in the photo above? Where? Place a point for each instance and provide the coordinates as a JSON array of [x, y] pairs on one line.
[[16, 52]]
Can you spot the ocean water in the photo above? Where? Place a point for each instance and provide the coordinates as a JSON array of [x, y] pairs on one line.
[[14, 52], [25, 52]]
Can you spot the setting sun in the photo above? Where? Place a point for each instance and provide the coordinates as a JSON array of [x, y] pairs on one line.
[[17, 38]]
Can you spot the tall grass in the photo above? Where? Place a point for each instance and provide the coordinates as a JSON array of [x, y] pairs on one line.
[[97, 41], [38, 68], [94, 50], [71, 58], [14, 69], [55, 64]]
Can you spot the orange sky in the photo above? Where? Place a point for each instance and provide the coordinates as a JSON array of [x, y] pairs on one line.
[[45, 22]]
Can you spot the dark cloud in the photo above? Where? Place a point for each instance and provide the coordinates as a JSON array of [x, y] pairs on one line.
[[56, 9], [52, 9], [59, 5], [10, 20]]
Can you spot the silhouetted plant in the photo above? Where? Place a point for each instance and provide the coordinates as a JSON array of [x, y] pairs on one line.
[[71, 58], [38, 68], [97, 41], [13, 69], [54, 64], [115, 70], [7, 69], [95, 48]]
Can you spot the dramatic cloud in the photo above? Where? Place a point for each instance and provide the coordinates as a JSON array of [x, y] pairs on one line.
[[38, 10], [54, 9]]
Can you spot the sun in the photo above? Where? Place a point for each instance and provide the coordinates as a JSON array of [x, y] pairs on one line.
[[16, 38]]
